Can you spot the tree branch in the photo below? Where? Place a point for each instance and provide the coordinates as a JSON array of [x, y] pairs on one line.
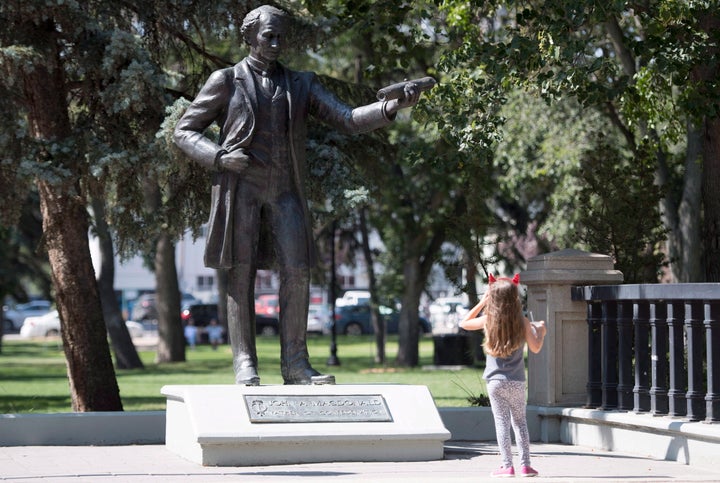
[[618, 123], [618, 40]]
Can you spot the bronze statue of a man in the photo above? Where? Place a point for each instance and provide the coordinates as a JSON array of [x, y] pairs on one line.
[[259, 215]]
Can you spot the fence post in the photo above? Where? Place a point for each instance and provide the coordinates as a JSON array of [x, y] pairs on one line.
[[558, 375], [677, 404], [625, 355], [609, 357], [694, 336], [659, 358], [712, 338], [641, 390]]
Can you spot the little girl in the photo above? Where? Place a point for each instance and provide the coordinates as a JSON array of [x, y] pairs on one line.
[[506, 332]]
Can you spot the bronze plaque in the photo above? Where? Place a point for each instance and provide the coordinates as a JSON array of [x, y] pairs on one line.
[[264, 408]]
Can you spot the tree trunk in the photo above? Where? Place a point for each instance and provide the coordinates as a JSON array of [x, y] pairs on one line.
[[420, 253], [93, 386], [171, 340], [680, 217], [408, 326], [706, 75], [685, 234], [476, 336], [711, 198], [378, 323], [126, 356]]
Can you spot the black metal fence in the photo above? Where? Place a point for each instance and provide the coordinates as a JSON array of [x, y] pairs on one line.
[[654, 348]]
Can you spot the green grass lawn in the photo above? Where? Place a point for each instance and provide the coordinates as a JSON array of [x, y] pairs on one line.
[[33, 377]]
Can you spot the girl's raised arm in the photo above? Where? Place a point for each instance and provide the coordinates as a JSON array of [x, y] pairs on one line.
[[476, 323], [471, 321]]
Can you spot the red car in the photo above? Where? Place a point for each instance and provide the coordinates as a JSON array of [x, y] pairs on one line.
[[267, 305]]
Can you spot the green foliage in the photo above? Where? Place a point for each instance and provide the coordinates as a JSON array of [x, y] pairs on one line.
[[418, 179], [33, 374], [114, 58], [636, 65], [475, 399], [183, 192], [335, 186], [389, 38], [15, 167], [614, 186], [535, 185], [23, 266]]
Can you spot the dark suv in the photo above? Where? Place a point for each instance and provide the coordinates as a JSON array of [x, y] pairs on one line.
[[201, 314], [355, 320]]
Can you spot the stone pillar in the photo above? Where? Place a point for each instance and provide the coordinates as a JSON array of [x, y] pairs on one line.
[[557, 376]]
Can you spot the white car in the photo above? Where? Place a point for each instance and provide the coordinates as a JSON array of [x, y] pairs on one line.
[[48, 325], [353, 297], [14, 316], [318, 318], [42, 325]]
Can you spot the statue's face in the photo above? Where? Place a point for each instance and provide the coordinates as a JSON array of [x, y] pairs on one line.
[[269, 41]]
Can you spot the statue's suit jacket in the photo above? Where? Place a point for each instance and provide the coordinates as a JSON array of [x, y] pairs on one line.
[[228, 98]]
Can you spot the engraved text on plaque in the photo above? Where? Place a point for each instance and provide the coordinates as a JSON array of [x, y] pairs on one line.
[[308, 409]]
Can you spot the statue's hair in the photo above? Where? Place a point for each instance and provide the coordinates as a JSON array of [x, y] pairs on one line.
[[504, 324], [250, 23]]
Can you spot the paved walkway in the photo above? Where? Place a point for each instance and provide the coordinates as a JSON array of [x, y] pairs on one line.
[[463, 462]]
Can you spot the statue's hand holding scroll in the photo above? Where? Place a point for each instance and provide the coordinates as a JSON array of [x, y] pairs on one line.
[[404, 94]]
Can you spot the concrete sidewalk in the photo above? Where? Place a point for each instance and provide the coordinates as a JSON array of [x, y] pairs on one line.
[[463, 462]]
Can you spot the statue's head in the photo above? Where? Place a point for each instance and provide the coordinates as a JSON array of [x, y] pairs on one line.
[[259, 16]]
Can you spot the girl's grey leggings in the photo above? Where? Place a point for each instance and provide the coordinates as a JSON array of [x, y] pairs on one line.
[[507, 399]]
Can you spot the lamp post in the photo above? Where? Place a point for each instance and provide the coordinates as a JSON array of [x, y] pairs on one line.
[[333, 359]]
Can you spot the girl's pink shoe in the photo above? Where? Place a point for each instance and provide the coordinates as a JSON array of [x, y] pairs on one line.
[[503, 472], [528, 471]]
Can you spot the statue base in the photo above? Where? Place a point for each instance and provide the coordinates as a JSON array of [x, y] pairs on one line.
[[235, 425]]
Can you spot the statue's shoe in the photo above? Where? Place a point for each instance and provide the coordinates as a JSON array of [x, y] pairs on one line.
[[247, 376], [308, 375]]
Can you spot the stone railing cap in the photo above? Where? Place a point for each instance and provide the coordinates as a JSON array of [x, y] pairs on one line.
[[571, 266]]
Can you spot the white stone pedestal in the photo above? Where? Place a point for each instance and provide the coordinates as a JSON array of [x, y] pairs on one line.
[[234, 425]]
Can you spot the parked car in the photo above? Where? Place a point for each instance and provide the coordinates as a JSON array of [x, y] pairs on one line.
[[267, 304], [202, 314], [265, 325], [355, 320], [42, 325], [48, 325], [13, 317], [145, 306], [353, 297], [318, 318]]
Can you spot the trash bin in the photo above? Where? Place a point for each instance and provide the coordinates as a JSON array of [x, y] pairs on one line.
[[452, 350]]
